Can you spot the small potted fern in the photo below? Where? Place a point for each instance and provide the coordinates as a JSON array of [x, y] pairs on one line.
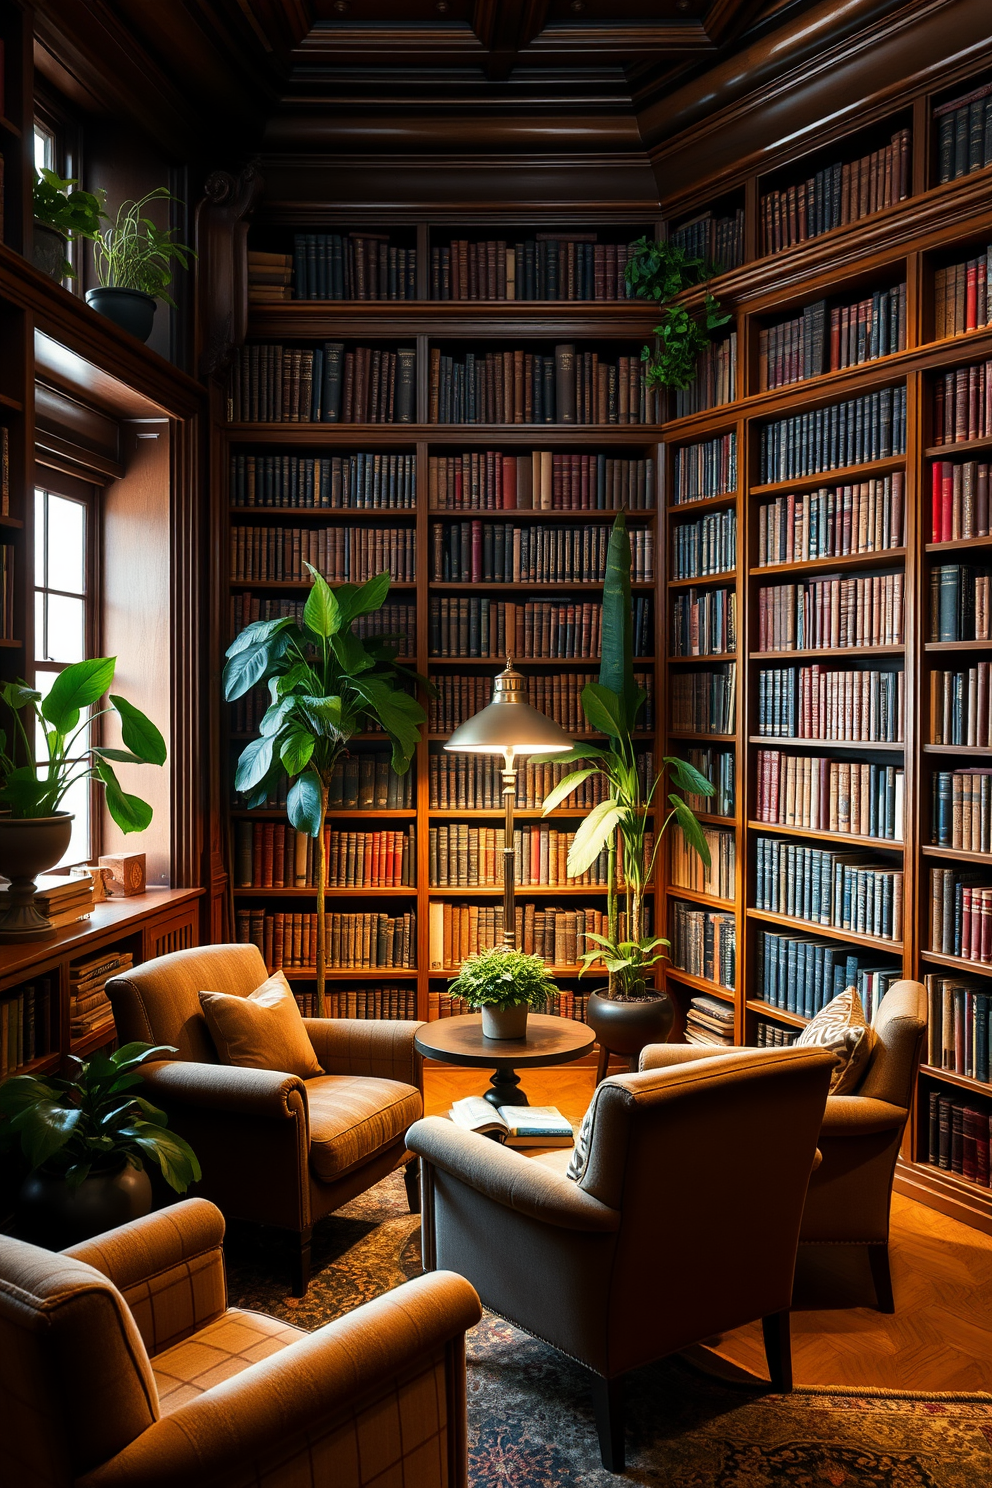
[[504, 984], [134, 264]]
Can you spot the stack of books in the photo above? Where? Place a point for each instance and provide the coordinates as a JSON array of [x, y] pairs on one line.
[[62, 900], [270, 277], [89, 1005], [709, 1021], [25, 1025]]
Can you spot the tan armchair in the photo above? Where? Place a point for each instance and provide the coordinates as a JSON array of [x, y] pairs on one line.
[[632, 1262], [274, 1149], [850, 1194], [121, 1366]]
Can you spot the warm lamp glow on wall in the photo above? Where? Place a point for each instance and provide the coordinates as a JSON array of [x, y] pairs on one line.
[[509, 726]]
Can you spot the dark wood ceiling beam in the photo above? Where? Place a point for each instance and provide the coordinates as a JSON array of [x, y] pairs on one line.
[[627, 40], [726, 19]]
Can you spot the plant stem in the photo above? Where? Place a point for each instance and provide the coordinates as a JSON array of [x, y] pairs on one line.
[[321, 915]]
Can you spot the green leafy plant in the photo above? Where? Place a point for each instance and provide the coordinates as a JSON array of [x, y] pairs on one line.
[[65, 207], [63, 721], [94, 1122], [324, 684], [503, 977], [661, 271], [620, 821], [135, 254]]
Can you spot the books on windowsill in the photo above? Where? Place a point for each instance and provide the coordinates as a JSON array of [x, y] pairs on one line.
[[516, 1126]]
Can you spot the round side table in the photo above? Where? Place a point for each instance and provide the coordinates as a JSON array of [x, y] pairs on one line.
[[461, 1041]]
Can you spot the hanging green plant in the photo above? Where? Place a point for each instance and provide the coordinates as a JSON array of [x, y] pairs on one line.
[[661, 271]]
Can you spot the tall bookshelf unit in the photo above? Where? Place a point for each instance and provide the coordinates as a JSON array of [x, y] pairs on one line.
[[913, 242]]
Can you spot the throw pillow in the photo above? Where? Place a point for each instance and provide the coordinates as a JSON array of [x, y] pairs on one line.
[[261, 1031], [842, 1028], [583, 1144]]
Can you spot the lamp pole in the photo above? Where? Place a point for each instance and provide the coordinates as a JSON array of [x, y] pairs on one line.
[[509, 855]]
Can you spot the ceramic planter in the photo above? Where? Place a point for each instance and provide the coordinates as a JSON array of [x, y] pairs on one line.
[[52, 1214], [505, 1023], [130, 309], [626, 1027], [29, 845], [48, 250]]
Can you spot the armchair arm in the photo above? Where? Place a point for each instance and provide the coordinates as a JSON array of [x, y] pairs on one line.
[[666, 1056], [382, 1047], [169, 1267], [859, 1116], [226, 1087], [509, 1178], [296, 1417]]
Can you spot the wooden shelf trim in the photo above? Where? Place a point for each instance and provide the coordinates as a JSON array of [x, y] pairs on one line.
[[889, 844], [806, 927]]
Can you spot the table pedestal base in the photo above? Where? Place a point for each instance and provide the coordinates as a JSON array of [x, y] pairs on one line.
[[504, 1089]]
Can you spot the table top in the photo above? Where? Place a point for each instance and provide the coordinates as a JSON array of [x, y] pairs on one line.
[[460, 1041]]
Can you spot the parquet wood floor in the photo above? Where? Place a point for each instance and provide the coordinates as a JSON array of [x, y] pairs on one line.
[[940, 1336]]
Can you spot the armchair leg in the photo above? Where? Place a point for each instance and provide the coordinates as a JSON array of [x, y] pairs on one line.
[[607, 1402], [411, 1177], [301, 1263], [878, 1260], [778, 1349]]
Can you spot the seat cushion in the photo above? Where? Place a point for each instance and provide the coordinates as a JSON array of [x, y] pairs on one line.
[[264, 1030], [352, 1117], [223, 1348]]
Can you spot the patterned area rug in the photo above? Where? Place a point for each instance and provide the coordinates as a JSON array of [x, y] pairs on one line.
[[530, 1415]]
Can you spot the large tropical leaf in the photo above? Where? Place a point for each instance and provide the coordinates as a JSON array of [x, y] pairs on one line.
[[174, 1156], [257, 632], [351, 653], [604, 709], [44, 1129], [254, 764], [131, 813], [564, 788], [139, 733], [322, 612], [616, 668], [24, 791], [691, 830], [276, 717], [244, 669], [77, 687], [363, 599], [303, 804], [592, 836], [569, 756], [295, 751], [687, 777]]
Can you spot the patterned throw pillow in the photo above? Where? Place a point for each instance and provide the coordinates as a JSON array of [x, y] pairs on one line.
[[842, 1028], [583, 1144]]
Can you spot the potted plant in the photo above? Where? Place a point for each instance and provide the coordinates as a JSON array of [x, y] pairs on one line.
[[325, 685], [661, 271], [36, 833], [63, 212], [504, 984], [133, 261], [87, 1140], [630, 1012]]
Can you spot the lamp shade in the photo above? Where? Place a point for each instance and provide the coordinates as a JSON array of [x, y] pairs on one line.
[[509, 724]]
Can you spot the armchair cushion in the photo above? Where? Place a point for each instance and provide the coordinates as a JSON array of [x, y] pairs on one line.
[[842, 1028], [264, 1030], [222, 1349], [354, 1116]]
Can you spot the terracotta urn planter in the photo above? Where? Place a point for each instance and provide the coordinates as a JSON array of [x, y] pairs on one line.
[[29, 845]]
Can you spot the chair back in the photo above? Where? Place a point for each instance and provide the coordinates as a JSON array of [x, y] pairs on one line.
[[158, 1002], [900, 1023], [76, 1386]]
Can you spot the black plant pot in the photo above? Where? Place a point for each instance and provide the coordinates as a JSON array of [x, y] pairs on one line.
[[627, 1027], [51, 1214], [48, 250], [129, 308]]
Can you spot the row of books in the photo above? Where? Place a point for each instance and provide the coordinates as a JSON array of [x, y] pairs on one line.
[[462, 856], [871, 427], [806, 346], [539, 629], [959, 602], [719, 768], [4, 460], [273, 855], [832, 613], [363, 1002], [704, 943], [959, 707], [835, 195], [708, 468], [718, 240], [959, 1136], [540, 481], [706, 546], [361, 482], [961, 296], [715, 381], [704, 702], [825, 886], [274, 384], [557, 935], [688, 871], [828, 795], [25, 1025], [8, 621], [352, 266], [459, 696], [270, 277], [703, 623], [962, 404], [363, 780], [801, 974], [709, 1022], [342, 554], [960, 500], [353, 940], [813, 702], [834, 521], [394, 618], [964, 134], [475, 552], [958, 1025], [545, 267], [523, 387], [473, 782], [773, 1035], [962, 809], [961, 914], [89, 1005]]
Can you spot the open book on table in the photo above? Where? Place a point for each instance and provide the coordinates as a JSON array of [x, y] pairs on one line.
[[517, 1126]]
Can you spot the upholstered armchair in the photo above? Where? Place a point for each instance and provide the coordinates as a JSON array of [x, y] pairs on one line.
[[850, 1194], [275, 1149], [122, 1366], [631, 1262]]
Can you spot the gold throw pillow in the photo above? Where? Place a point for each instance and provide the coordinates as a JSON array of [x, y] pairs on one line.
[[842, 1028], [261, 1031]]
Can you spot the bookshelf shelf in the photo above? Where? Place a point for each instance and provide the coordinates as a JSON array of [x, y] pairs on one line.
[[703, 738], [707, 656], [95, 1039], [350, 973], [780, 1015], [887, 844], [957, 963], [978, 750], [535, 436], [843, 476], [806, 927], [956, 855], [701, 984], [240, 514], [526, 813], [831, 565], [11, 522], [726, 577], [364, 890], [956, 544], [704, 504], [303, 585], [828, 653], [964, 1082], [562, 587], [524, 661], [363, 813], [7, 126], [448, 973], [537, 514], [534, 320], [959, 447], [14, 404], [957, 645], [698, 897], [770, 741], [469, 891]]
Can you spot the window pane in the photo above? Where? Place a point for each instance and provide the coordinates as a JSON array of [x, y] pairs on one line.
[[66, 628], [44, 148], [66, 544], [39, 536], [77, 800]]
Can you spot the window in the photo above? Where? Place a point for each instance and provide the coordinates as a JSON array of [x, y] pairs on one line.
[[64, 629], [44, 146]]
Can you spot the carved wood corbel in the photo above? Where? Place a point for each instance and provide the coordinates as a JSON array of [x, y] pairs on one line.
[[222, 219]]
